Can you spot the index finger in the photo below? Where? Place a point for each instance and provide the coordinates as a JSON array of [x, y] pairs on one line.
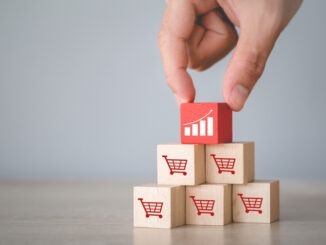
[[178, 23]]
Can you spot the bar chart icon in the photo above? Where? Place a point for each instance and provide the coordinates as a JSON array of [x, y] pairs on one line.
[[203, 126], [205, 123]]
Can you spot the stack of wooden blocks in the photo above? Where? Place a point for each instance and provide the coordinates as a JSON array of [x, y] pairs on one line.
[[207, 179]]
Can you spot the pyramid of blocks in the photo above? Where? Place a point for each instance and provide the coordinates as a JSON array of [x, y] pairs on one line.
[[207, 179]]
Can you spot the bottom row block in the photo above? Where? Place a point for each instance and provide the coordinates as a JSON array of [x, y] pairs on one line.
[[208, 204], [167, 206], [256, 202], [160, 206]]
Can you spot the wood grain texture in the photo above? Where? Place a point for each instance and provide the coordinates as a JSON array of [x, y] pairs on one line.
[[256, 202], [238, 154], [159, 206], [169, 170], [208, 204]]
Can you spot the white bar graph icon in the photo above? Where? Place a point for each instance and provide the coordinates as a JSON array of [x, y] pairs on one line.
[[202, 124], [210, 126], [205, 125], [194, 129]]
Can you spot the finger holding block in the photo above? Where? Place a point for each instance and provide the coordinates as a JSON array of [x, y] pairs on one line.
[[159, 206], [256, 202], [208, 204], [230, 163], [180, 164]]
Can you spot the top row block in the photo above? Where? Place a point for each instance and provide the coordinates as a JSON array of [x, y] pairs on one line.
[[205, 123]]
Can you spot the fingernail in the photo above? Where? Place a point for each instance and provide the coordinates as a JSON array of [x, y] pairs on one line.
[[238, 96], [180, 100]]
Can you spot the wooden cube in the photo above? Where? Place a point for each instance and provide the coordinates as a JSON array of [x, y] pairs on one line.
[[230, 163], [180, 164], [159, 206], [256, 202], [208, 204], [205, 123]]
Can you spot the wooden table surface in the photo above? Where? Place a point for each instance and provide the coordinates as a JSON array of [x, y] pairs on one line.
[[100, 212]]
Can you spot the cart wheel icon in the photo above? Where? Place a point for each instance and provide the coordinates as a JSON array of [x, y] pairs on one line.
[[152, 208], [176, 165], [224, 164], [203, 206], [251, 204], [212, 213]]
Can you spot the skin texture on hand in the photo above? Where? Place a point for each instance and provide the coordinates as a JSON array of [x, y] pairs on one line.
[[198, 33]]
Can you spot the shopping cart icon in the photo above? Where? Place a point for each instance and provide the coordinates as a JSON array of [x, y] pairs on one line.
[[251, 204], [224, 164], [152, 208], [176, 165], [204, 206]]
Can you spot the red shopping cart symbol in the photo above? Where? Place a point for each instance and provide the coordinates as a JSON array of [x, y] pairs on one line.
[[204, 206], [251, 204], [152, 208], [224, 164], [176, 165]]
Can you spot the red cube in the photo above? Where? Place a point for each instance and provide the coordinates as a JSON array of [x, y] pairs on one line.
[[205, 123]]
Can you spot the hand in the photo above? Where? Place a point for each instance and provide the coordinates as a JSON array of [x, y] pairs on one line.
[[196, 34]]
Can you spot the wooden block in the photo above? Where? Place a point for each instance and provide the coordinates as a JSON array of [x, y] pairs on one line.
[[159, 206], [256, 202], [205, 123], [208, 204], [181, 164], [230, 163]]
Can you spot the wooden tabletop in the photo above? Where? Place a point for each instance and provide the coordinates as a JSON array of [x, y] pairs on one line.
[[100, 212]]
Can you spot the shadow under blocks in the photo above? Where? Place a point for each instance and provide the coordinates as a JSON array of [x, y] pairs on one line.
[[207, 179]]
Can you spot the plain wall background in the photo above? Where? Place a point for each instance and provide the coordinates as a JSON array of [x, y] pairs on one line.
[[83, 94]]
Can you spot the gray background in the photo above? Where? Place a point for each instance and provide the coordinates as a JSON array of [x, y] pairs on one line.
[[82, 92]]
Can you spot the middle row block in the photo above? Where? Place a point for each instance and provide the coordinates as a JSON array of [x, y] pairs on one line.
[[181, 164], [194, 164]]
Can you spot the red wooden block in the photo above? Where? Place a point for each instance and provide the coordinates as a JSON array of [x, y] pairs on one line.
[[205, 123]]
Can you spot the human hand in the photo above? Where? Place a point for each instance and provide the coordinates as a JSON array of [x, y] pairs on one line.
[[195, 34]]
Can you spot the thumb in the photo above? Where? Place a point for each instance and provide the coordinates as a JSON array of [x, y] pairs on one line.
[[245, 67]]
